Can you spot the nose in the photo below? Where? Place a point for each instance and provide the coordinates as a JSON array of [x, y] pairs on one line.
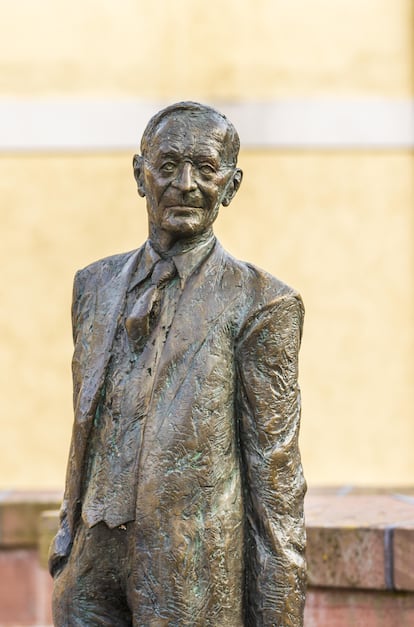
[[185, 179]]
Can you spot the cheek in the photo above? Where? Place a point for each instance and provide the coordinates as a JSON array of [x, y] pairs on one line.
[[212, 193], [156, 188]]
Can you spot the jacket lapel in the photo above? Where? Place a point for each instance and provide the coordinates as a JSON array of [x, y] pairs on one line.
[[109, 305]]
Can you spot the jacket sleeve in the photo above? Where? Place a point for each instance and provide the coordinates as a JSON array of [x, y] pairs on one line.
[[62, 543], [268, 406]]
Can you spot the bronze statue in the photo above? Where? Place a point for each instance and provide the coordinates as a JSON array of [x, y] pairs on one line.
[[184, 496]]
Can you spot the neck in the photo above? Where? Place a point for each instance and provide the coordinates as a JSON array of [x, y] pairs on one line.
[[167, 245]]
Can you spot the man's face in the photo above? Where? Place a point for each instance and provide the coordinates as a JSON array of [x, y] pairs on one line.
[[186, 174]]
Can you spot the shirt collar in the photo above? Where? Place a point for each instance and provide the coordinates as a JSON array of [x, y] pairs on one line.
[[185, 262], [145, 265]]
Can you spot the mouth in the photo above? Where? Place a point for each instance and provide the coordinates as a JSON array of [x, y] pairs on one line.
[[183, 209]]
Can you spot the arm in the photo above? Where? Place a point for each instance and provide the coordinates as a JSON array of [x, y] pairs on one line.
[[269, 415], [62, 543]]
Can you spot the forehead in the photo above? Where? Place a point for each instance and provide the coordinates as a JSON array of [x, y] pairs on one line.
[[184, 132]]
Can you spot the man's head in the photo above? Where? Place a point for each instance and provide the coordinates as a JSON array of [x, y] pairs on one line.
[[187, 169]]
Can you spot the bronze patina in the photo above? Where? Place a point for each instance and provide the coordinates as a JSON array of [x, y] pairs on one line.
[[184, 494]]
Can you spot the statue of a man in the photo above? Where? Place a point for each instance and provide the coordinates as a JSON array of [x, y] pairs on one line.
[[184, 495]]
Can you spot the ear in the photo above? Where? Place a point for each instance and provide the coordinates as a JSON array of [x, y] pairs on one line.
[[138, 165], [232, 187]]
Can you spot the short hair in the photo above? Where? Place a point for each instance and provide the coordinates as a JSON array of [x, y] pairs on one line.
[[193, 109]]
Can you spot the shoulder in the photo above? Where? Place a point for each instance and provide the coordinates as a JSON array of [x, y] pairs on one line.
[[259, 284], [264, 299], [110, 264], [105, 268]]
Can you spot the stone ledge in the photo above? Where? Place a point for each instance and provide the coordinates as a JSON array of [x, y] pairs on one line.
[[360, 538], [19, 515]]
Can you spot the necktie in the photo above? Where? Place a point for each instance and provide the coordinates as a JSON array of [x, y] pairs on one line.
[[147, 308]]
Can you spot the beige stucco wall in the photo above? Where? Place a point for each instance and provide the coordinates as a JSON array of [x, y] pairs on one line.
[[337, 225], [221, 49]]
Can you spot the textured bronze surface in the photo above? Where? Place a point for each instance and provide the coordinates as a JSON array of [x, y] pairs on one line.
[[184, 494]]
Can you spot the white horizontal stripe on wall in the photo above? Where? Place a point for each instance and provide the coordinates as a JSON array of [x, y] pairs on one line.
[[103, 125]]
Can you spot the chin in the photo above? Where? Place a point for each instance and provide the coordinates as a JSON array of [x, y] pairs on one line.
[[183, 226]]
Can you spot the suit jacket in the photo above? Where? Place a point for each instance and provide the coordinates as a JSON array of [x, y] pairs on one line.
[[219, 509]]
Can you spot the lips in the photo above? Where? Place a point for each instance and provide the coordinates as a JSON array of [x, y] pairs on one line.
[[193, 204], [187, 207]]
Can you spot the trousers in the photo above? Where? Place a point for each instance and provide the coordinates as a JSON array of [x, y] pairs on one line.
[[95, 586]]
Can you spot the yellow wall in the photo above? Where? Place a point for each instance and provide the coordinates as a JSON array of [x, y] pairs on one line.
[[338, 225], [220, 49]]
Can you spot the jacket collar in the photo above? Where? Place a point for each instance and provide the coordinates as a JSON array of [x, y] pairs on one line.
[[185, 261]]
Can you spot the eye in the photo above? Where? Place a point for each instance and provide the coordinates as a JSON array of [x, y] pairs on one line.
[[206, 168], [167, 167]]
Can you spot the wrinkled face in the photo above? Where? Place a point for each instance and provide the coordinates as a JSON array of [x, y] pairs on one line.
[[187, 174]]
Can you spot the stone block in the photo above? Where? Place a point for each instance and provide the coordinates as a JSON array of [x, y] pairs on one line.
[[25, 589], [346, 558], [360, 539], [329, 607], [19, 515], [404, 557]]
